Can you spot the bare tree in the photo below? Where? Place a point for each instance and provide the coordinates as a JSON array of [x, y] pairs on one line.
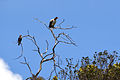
[[45, 56]]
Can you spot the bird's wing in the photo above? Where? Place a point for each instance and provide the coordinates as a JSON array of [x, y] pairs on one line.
[[51, 23]]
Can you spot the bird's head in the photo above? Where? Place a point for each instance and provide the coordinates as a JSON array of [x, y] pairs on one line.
[[20, 36], [56, 18]]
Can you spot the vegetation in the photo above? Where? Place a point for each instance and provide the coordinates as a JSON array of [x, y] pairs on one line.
[[103, 65]]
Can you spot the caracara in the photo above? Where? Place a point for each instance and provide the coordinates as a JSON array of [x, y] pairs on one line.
[[19, 40], [52, 22]]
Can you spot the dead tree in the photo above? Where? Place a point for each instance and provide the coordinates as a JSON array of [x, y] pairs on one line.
[[44, 56]]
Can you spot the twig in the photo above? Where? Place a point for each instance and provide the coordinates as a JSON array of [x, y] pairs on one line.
[[21, 52], [51, 74], [61, 22], [46, 48], [65, 28], [27, 65], [41, 22], [68, 40], [32, 38]]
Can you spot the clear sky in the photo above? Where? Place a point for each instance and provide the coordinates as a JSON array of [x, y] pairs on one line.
[[98, 23]]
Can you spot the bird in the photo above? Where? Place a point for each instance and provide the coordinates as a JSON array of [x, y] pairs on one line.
[[19, 40], [52, 22]]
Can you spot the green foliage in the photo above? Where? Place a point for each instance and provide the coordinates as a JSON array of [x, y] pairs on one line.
[[55, 78], [103, 66]]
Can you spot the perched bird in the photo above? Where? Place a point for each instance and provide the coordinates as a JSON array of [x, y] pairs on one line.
[[52, 22], [19, 40]]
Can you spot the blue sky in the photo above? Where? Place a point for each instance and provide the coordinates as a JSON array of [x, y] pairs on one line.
[[98, 23]]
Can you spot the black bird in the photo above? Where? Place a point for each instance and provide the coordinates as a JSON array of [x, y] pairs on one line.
[[19, 40], [52, 22]]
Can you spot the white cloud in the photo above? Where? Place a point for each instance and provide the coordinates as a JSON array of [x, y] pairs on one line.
[[6, 73]]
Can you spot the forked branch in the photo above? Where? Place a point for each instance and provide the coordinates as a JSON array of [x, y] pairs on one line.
[[45, 56]]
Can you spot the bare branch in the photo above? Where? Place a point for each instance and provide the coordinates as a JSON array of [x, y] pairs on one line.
[[54, 48], [47, 57], [55, 68], [62, 69], [41, 22], [68, 37], [32, 38], [21, 52], [68, 43], [65, 28], [46, 47], [27, 65], [53, 33], [51, 74], [61, 22], [43, 60], [39, 68], [59, 26]]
